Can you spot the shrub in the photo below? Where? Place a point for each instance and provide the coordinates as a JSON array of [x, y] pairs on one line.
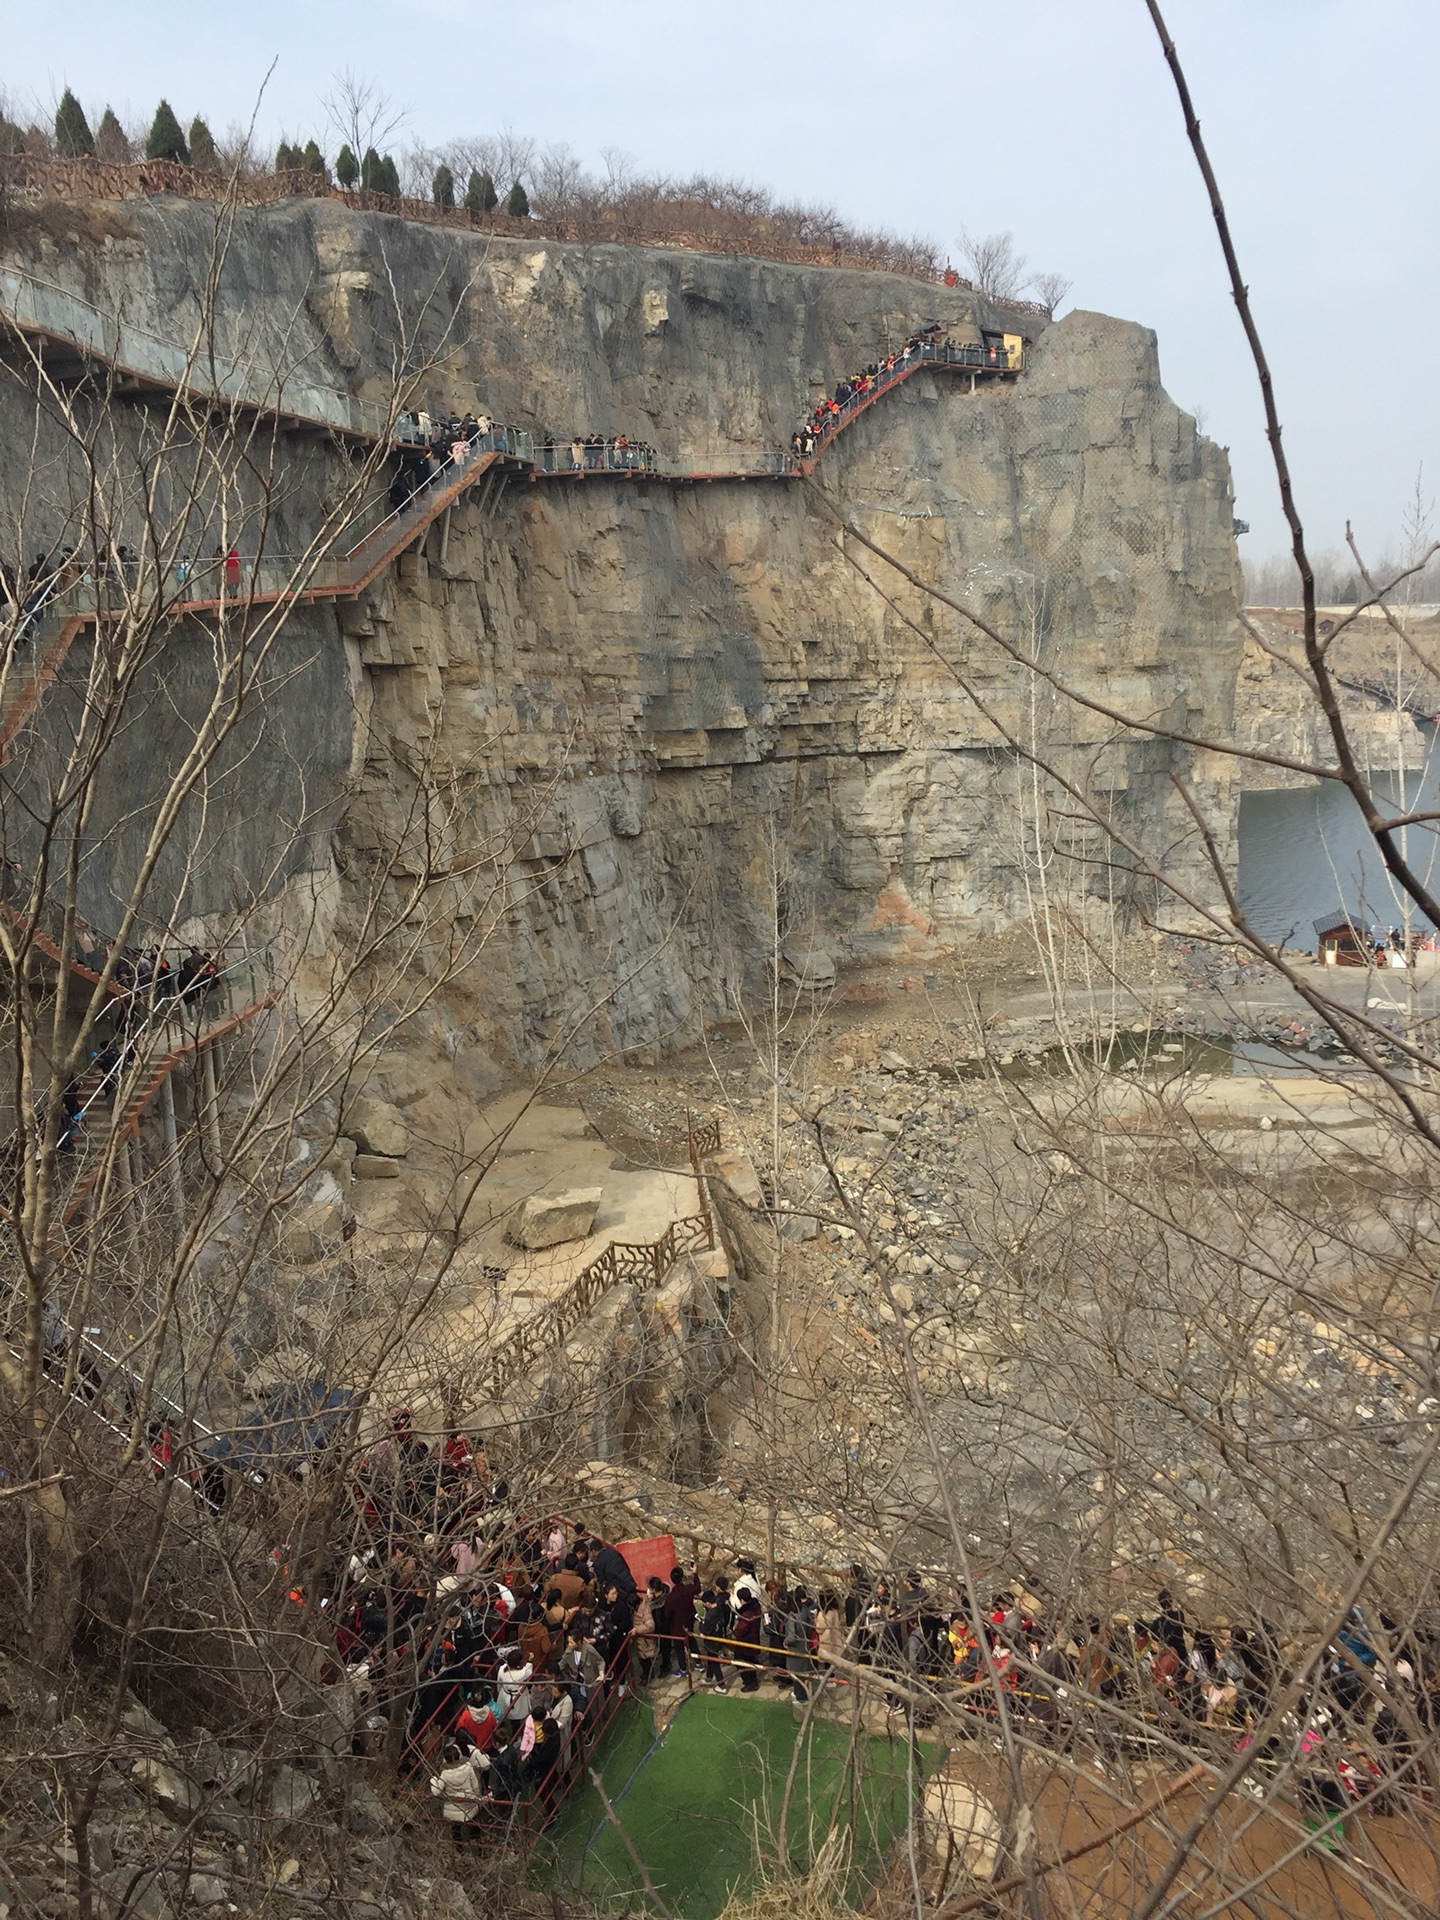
[[202, 146], [73, 138], [112, 143], [166, 141], [480, 195]]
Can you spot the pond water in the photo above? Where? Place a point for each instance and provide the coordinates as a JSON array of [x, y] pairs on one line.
[[1158, 1053], [1304, 855]]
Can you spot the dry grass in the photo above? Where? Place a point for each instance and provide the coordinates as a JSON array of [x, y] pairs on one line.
[[817, 1895]]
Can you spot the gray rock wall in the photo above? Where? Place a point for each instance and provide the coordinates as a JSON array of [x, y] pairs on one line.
[[686, 704]]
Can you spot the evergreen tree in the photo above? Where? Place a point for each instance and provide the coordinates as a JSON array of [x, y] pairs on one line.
[[518, 204], [347, 167], [443, 188], [12, 138], [285, 157], [313, 160], [480, 195], [112, 143], [202, 146], [390, 178], [73, 138], [372, 177], [166, 141]]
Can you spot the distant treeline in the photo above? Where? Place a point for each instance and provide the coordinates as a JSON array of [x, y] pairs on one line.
[[1274, 582], [489, 180]]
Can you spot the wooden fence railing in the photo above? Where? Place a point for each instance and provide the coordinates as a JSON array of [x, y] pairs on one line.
[[643, 1264]]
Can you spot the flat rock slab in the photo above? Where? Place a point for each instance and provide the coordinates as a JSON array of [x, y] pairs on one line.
[[374, 1166], [547, 1219], [377, 1127]]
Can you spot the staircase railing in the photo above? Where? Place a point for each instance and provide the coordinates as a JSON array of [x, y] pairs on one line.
[[248, 969], [643, 1263]]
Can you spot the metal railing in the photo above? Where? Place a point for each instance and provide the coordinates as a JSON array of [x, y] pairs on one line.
[[241, 980], [927, 353]]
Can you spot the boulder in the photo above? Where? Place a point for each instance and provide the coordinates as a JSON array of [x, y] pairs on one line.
[[738, 1173], [807, 964], [141, 1724], [143, 1902], [169, 1789], [449, 1897], [374, 1166], [366, 1812], [292, 1794], [547, 1219], [377, 1127]]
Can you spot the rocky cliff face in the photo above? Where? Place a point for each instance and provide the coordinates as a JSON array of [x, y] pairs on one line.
[[685, 701]]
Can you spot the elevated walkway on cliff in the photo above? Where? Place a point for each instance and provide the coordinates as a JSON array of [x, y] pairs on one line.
[[71, 340], [145, 1040]]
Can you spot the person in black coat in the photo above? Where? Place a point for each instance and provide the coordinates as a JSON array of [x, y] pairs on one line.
[[677, 1623], [611, 1570]]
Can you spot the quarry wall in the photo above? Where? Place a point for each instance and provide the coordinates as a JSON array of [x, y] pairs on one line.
[[684, 703]]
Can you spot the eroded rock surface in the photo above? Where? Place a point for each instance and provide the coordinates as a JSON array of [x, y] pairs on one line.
[[680, 706]]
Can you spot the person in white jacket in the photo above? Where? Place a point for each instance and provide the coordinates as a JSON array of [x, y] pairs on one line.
[[512, 1687], [745, 1585], [461, 1786]]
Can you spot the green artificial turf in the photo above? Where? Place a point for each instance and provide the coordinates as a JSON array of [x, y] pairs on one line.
[[691, 1807]]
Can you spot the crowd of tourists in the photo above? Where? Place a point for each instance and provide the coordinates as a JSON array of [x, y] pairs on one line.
[[144, 984], [433, 447], [489, 1652], [850, 396]]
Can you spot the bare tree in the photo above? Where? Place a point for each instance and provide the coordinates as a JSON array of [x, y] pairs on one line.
[[1051, 290], [361, 113], [996, 268], [193, 1006]]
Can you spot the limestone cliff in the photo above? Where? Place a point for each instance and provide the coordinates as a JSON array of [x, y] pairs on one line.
[[711, 708]]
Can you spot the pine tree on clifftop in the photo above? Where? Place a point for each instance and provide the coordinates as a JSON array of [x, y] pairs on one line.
[[518, 204], [443, 188], [347, 167], [73, 138], [166, 141], [112, 143], [372, 178], [313, 161], [390, 177], [202, 146], [480, 194]]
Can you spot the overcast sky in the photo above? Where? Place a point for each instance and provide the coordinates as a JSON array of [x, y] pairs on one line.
[[1055, 119]]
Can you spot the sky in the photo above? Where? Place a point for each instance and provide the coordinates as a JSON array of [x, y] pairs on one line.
[[1055, 120]]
